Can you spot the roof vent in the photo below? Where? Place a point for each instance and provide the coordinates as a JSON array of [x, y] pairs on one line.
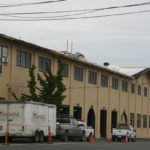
[[106, 64], [78, 55]]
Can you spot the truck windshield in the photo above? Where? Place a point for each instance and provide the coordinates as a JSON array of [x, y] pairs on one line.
[[123, 126], [63, 120]]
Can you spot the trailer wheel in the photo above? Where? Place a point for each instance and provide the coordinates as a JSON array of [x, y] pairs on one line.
[[36, 136], [41, 139]]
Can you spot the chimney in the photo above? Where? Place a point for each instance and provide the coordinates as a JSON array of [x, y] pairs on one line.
[[106, 64]]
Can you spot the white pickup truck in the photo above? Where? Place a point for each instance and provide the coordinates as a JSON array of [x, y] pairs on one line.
[[122, 131], [88, 130]]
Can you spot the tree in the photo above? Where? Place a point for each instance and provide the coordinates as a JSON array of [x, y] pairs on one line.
[[32, 87], [51, 87]]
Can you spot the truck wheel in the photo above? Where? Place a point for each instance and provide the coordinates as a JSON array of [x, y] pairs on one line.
[[41, 139], [129, 139], [119, 140], [83, 137], [113, 139], [134, 139], [36, 136], [65, 137]]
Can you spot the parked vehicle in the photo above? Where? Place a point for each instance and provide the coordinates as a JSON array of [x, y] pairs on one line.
[[27, 119], [70, 128], [122, 131], [88, 130]]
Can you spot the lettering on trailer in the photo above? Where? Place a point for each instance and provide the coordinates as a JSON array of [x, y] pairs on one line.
[[37, 117], [4, 115]]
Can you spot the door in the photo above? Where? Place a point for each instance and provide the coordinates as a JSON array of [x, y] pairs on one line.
[[103, 123], [113, 119], [77, 112], [16, 117], [3, 118], [75, 129], [91, 118]]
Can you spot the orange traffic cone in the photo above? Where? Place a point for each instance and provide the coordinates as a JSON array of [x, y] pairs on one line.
[[49, 135], [91, 138], [108, 140], [126, 140], [6, 135]]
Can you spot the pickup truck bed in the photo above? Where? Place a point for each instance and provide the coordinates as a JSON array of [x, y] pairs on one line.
[[69, 128], [122, 131]]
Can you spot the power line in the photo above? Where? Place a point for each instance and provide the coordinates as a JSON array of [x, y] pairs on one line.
[[74, 14], [80, 10], [27, 4], [75, 18]]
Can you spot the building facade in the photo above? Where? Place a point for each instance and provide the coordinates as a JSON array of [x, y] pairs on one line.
[[100, 95]]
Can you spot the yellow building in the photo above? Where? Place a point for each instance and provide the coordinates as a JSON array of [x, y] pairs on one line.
[[101, 95]]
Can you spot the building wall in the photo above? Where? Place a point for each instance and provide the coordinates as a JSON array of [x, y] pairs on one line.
[[81, 93]]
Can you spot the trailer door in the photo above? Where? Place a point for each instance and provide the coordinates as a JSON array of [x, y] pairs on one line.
[[52, 120], [3, 118], [15, 118]]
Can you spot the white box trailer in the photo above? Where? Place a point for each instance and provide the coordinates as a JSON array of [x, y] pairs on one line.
[[27, 119]]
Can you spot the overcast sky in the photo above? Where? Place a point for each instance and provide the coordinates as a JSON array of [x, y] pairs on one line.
[[119, 40]]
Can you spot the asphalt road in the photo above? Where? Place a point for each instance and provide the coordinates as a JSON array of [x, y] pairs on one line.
[[77, 146]]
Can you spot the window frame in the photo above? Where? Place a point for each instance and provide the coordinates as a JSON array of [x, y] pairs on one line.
[[132, 88], [42, 62], [138, 120], [145, 91], [92, 77], [124, 86], [78, 74], [144, 121], [149, 121], [132, 119], [21, 59], [65, 69], [139, 89], [104, 80], [0, 60], [115, 82]]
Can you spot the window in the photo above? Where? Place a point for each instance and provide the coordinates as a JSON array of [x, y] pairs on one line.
[[149, 121], [0, 61], [139, 90], [23, 59], [77, 112], [145, 91], [43, 62], [65, 70], [114, 83], [78, 74], [144, 121], [3, 53], [132, 119], [132, 88], [138, 120], [104, 81], [124, 86], [92, 78]]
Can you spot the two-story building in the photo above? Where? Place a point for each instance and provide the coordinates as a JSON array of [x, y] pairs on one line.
[[101, 95]]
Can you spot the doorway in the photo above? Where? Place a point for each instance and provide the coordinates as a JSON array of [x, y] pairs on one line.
[[103, 123], [91, 118], [113, 119], [77, 112], [124, 118]]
